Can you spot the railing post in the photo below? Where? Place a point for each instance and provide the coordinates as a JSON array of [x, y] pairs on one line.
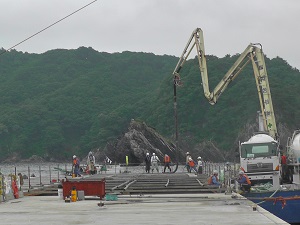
[[29, 185], [50, 174], [58, 173], [40, 172]]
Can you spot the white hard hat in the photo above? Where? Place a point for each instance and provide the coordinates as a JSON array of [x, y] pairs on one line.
[[153, 153], [241, 172], [215, 172], [199, 157], [187, 153], [190, 159], [147, 153], [74, 156]]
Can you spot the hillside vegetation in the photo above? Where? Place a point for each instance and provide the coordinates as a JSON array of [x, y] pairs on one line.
[[66, 102]]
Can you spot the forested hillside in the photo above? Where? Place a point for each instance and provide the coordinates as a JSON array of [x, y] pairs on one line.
[[64, 102]]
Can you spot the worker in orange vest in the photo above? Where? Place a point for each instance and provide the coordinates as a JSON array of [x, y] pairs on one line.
[[213, 179], [192, 165], [76, 166], [244, 181], [167, 161]]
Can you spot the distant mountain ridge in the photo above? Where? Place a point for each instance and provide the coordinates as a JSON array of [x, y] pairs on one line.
[[66, 102]]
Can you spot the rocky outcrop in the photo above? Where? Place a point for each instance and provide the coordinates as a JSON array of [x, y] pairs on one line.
[[137, 141], [141, 138]]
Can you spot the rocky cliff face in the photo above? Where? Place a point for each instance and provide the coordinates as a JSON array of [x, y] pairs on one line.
[[137, 141], [140, 139]]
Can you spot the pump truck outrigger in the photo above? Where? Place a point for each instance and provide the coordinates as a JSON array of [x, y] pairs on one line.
[[259, 156]]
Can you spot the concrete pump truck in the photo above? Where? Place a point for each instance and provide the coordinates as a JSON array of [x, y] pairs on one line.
[[259, 156]]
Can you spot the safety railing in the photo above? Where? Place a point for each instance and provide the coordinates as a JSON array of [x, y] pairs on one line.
[[36, 175]]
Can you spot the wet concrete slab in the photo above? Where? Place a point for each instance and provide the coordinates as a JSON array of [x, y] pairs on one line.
[[216, 208]]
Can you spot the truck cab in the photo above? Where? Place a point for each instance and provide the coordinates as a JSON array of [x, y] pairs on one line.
[[260, 159]]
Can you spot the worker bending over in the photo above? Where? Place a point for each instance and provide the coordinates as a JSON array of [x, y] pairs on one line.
[[243, 180]]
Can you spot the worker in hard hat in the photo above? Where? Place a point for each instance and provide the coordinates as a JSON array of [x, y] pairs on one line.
[[76, 166], [244, 181], [192, 165], [167, 161], [213, 179], [199, 165], [91, 161], [154, 162], [188, 156], [148, 162]]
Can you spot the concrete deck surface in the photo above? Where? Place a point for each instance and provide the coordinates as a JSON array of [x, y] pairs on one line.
[[149, 209]]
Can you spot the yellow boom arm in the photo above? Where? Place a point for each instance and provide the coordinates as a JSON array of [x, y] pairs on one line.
[[253, 54]]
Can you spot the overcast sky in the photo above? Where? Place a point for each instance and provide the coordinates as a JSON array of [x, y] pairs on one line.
[[157, 26]]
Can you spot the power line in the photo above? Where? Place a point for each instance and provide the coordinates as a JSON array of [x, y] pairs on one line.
[[48, 27]]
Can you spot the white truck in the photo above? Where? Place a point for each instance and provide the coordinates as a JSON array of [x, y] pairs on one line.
[[293, 158], [260, 160]]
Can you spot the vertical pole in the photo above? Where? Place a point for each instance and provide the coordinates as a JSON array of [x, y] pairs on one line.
[[15, 174], [234, 170], [58, 173], [126, 160], [219, 172], [176, 126], [50, 174], [40, 175], [176, 120], [29, 185]]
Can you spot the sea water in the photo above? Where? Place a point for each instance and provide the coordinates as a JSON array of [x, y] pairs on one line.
[[36, 174]]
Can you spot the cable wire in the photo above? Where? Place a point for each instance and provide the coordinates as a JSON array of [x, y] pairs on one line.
[[47, 27]]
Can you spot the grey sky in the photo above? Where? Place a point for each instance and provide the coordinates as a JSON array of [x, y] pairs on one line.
[[157, 26]]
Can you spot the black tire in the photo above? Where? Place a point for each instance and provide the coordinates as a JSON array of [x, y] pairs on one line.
[[281, 181], [290, 175]]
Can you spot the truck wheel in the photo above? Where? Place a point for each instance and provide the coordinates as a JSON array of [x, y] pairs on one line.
[[290, 176]]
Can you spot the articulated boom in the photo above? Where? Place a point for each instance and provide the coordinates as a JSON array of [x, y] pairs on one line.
[[251, 53]]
